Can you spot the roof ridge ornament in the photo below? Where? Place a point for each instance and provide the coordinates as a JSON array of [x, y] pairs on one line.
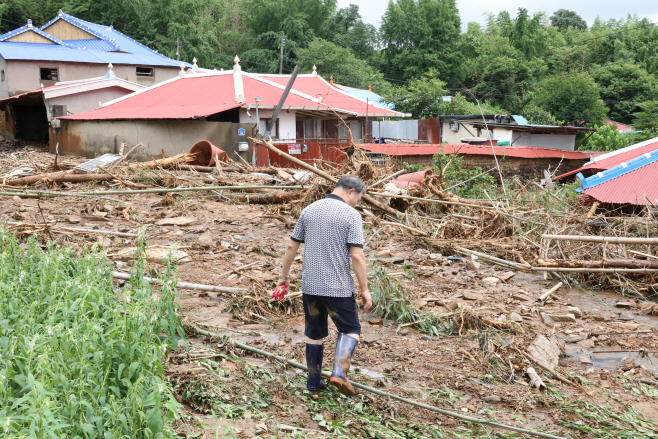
[[194, 66], [60, 13], [237, 81], [331, 80], [182, 70], [315, 72], [29, 23], [110, 72]]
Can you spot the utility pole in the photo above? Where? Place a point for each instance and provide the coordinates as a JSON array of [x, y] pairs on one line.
[[283, 43], [177, 50]]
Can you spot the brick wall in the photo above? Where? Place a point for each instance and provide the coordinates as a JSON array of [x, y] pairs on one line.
[[525, 169]]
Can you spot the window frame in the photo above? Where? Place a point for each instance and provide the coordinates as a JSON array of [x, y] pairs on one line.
[[150, 75], [51, 69]]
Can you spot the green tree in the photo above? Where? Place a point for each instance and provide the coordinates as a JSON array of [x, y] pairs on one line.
[[527, 34], [347, 29], [608, 138], [505, 81], [339, 62], [646, 120], [573, 98], [418, 35], [622, 86], [539, 116], [422, 97], [564, 19]]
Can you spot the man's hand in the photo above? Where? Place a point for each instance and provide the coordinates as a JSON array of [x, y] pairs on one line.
[[366, 298], [284, 282]]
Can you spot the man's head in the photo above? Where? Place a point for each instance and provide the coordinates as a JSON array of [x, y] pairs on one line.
[[350, 188]]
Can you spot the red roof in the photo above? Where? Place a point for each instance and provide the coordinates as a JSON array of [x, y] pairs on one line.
[[399, 149], [317, 87], [191, 97], [620, 126], [610, 160], [629, 188]]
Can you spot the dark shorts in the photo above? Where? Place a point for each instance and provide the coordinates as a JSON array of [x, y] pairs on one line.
[[342, 311]]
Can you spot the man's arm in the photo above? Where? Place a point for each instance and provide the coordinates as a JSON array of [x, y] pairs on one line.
[[291, 252], [361, 271]]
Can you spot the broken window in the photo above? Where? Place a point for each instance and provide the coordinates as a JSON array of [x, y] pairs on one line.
[[48, 74], [145, 72]]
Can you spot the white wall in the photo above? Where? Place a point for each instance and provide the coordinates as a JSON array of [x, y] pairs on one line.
[[395, 129], [557, 141], [287, 120], [450, 136], [23, 76], [85, 101]]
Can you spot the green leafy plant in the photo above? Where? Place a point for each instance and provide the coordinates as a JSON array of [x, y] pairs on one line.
[[77, 357]]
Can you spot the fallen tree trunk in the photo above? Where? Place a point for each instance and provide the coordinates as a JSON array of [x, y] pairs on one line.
[[367, 198], [186, 285], [607, 263], [280, 197], [165, 163], [58, 177]]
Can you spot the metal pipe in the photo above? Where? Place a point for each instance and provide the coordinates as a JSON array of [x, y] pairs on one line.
[[186, 285], [387, 395], [281, 102]]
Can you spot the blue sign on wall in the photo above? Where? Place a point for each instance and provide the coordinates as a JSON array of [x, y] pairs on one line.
[[241, 132]]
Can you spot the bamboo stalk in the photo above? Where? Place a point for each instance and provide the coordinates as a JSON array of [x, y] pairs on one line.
[[609, 239], [596, 270], [186, 285], [549, 292], [492, 258], [386, 178], [384, 394], [39, 194], [81, 230]]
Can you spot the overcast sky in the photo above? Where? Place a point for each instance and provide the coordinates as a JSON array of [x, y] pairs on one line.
[[472, 10]]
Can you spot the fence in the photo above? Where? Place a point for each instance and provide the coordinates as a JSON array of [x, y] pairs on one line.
[[307, 150]]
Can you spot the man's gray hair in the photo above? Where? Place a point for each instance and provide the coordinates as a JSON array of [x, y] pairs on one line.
[[348, 182]]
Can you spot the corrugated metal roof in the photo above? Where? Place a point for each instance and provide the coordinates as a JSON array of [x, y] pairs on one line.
[[108, 48], [91, 44], [628, 182], [615, 158], [195, 96], [464, 148], [369, 95], [317, 87]]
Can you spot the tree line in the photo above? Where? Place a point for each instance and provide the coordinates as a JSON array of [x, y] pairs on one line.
[[553, 69]]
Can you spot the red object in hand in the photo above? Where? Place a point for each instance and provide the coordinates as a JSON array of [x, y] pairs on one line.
[[279, 292]]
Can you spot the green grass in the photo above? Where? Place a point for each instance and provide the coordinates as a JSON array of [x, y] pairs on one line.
[[78, 358]]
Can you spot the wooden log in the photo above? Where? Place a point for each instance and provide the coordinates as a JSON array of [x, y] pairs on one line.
[[386, 178], [607, 263], [549, 292], [609, 239], [58, 177], [165, 163], [271, 171], [280, 197], [403, 226], [367, 198]]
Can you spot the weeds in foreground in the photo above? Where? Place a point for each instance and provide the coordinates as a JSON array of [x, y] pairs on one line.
[[391, 301], [606, 422], [77, 358]]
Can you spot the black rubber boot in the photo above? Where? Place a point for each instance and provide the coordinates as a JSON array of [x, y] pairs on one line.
[[345, 346], [314, 353]]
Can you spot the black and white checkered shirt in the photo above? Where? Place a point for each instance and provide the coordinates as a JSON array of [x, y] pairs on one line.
[[328, 228]]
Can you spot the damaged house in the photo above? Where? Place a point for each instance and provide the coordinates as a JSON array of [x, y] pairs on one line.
[[224, 108]]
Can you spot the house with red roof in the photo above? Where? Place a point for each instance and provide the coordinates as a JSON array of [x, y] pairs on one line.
[[224, 108]]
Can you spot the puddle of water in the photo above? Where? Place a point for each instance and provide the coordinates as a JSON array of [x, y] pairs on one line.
[[610, 360]]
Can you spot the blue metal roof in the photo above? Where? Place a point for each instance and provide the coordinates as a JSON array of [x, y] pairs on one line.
[[92, 44], [110, 47], [617, 171], [371, 96]]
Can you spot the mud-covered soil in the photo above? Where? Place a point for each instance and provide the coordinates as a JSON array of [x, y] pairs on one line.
[[469, 368]]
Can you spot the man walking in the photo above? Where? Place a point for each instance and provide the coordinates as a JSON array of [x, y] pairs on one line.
[[332, 233]]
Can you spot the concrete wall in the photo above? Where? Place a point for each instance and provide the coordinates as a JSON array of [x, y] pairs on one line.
[[465, 130], [23, 76], [4, 85], [557, 141], [88, 100], [287, 120], [93, 138]]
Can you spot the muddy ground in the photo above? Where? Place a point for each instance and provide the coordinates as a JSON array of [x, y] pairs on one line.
[[468, 368]]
